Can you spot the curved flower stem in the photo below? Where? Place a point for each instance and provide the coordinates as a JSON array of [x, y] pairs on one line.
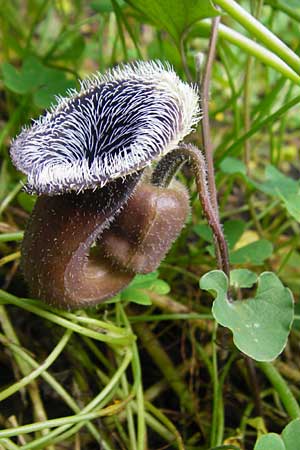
[[166, 170], [205, 127]]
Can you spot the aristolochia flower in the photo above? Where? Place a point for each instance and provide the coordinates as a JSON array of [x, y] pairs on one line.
[[116, 124]]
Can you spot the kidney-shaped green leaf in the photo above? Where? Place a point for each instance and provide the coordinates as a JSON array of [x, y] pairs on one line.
[[270, 441], [289, 439], [291, 435], [174, 16], [260, 325]]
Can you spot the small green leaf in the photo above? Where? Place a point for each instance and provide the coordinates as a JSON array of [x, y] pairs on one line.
[[278, 184], [254, 253], [292, 204], [291, 435], [271, 441], [144, 281], [175, 16], [288, 190], [136, 291], [26, 201], [242, 278], [260, 325], [233, 230], [105, 6], [203, 231], [133, 295], [232, 165], [25, 80], [289, 439], [54, 83], [160, 287], [36, 79]]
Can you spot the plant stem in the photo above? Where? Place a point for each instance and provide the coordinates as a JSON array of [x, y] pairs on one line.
[[285, 394], [262, 33], [247, 97], [166, 366], [282, 5], [33, 390], [184, 61], [253, 48], [166, 170], [205, 127], [36, 373], [233, 149], [216, 392]]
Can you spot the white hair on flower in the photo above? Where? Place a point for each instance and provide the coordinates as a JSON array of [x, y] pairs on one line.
[[116, 124]]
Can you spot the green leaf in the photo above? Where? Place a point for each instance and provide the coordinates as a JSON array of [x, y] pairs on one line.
[[136, 291], [233, 230], [292, 204], [144, 281], [175, 16], [26, 201], [25, 80], [289, 439], [36, 79], [203, 231], [279, 185], [105, 6], [160, 287], [260, 325], [242, 278], [291, 435], [232, 165], [254, 253], [54, 82], [133, 295], [270, 441]]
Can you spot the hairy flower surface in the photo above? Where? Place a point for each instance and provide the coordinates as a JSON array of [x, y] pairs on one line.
[[116, 124]]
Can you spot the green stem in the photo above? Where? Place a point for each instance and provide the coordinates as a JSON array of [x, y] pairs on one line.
[[9, 198], [253, 48], [282, 5], [39, 412], [106, 332], [47, 363], [163, 419], [8, 444], [63, 421], [138, 382], [63, 430], [216, 390], [59, 390], [165, 365], [262, 33], [285, 394], [234, 148], [7, 237]]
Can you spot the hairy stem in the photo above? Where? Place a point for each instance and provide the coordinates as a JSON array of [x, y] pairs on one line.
[[166, 170], [205, 127]]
